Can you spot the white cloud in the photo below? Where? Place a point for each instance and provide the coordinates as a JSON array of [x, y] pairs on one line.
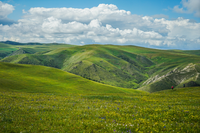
[[53, 25], [189, 6], [102, 24], [5, 9], [95, 23]]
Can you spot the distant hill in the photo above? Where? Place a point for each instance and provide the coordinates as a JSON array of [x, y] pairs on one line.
[[123, 66], [17, 43], [9, 48], [6, 49], [23, 51]]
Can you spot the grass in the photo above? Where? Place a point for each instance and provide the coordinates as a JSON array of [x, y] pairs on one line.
[[43, 99], [166, 111], [30, 78]]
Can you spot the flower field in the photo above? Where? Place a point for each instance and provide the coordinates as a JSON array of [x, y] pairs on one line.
[[165, 111]]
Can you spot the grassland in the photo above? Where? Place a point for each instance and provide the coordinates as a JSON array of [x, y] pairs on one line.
[[43, 99], [167, 111], [33, 78], [123, 66]]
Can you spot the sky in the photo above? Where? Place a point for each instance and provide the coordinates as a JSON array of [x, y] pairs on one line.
[[162, 24]]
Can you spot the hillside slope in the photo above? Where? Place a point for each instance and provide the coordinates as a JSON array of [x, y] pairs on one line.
[[41, 79], [123, 66], [188, 76], [6, 49], [95, 62]]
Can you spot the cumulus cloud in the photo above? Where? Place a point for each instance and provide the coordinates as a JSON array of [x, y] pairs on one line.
[[5, 10], [102, 24], [188, 6]]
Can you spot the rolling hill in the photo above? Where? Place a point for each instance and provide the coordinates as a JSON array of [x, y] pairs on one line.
[[102, 64], [9, 48], [41, 79], [123, 66]]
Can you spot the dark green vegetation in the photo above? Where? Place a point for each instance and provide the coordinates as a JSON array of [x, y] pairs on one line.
[[123, 66]]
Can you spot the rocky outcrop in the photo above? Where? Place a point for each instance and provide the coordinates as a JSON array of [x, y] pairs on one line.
[[189, 76]]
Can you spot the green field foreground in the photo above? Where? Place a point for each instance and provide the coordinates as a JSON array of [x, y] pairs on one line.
[[167, 111], [42, 99]]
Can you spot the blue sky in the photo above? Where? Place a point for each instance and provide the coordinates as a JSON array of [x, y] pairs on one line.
[[139, 7], [164, 24]]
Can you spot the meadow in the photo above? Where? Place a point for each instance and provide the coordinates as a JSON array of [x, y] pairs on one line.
[[175, 110], [36, 99]]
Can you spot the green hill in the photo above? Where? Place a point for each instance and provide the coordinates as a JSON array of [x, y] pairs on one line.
[[9, 48], [41, 79], [188, 76], [95, 62], [123, 66], [6, 49]]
